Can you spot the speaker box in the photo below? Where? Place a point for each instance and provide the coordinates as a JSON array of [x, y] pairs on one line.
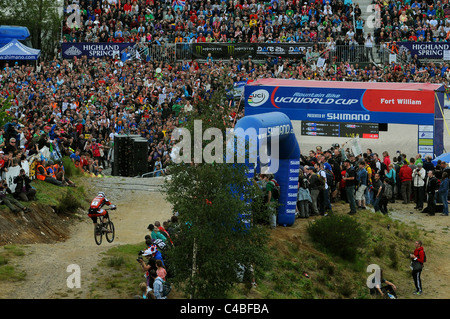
[[130, 155], [140, 156]]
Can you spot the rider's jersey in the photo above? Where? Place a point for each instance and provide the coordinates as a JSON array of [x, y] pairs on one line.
[[98, 202]]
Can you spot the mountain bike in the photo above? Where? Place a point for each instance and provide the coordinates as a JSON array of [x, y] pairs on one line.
[[105, 228]]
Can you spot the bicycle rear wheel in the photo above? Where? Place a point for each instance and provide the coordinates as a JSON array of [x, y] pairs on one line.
[[98, 234], [111, 232]]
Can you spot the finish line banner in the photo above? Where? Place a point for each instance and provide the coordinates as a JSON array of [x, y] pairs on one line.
[[426, 50], [94, 50], [246, 50], [342, 105]]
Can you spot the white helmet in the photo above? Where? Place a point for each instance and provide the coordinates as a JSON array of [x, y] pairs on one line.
[[101, 194]]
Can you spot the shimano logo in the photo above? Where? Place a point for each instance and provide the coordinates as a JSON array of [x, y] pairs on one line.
[[348, 117]]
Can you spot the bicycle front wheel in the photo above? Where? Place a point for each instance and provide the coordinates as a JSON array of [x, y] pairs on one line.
[[111, 232], [98, 234]]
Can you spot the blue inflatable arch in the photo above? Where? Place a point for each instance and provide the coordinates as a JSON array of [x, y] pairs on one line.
[[288, 158]]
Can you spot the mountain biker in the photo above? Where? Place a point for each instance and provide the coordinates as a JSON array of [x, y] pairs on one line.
[[96, 210]]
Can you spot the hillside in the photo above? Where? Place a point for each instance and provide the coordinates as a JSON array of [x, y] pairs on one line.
[[52, 242]]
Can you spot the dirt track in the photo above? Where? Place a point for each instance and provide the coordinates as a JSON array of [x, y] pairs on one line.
[[46, 264]]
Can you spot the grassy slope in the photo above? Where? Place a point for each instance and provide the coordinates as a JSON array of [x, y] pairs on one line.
[[292, 254], [47, 194]]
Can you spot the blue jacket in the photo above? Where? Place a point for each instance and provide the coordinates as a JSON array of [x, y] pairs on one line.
[[444, 185], [361, 176], [158, 288]]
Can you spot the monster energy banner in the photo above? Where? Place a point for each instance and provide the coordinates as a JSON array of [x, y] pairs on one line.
[[222, 50], [245, 50]]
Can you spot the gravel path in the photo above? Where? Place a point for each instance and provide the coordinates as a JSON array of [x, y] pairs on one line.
[[139, 203]]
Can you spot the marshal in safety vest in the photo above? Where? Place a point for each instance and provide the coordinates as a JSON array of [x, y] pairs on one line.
[[39, 169]]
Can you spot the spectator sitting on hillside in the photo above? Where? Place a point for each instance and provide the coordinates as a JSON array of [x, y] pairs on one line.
[[14, 205], [61, 174], [24, 191], [43, 175]]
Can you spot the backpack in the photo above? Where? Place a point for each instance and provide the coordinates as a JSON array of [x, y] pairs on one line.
[[321, 179], [276, 189], [161, 245], [330, 177], [166, 288], [388, 191]]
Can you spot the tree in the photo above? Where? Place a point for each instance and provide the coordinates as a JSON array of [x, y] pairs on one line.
[[5, 105], [213, 244], [40, 16]]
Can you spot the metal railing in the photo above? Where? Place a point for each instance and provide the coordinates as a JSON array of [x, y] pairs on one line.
[[161, 53], [352, 53], [151, 174]]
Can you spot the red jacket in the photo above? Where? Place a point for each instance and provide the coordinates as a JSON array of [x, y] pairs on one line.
[[420, 254], [405, 173]]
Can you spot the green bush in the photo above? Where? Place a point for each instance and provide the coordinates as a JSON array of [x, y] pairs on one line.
[[70, 169], [338, 235], [68, 203]]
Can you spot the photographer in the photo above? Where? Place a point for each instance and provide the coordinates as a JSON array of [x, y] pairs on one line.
[[24, 191], [10, 201], [147, 267]]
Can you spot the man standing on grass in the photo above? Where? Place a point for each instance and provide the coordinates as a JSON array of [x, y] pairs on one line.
[[350, 180], [405, 175]]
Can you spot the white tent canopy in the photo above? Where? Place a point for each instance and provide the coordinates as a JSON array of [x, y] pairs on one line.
[[15, 50]]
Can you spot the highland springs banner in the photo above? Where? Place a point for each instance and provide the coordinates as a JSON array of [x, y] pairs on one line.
[[94, 50], [426, 50]]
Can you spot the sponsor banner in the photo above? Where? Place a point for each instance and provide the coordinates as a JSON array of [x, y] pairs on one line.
[[222, 50], [342, 105], [425, 50], [14, 171], [94, 50], [292, 188], [245, 50], [291, 50]]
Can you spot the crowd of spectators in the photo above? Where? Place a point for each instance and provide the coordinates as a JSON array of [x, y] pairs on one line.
[[211, 21], [369, 179], [76, 107], [413, 21], [154, 259]]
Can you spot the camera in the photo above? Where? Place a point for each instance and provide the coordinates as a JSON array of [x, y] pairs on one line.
[[140, 253]]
